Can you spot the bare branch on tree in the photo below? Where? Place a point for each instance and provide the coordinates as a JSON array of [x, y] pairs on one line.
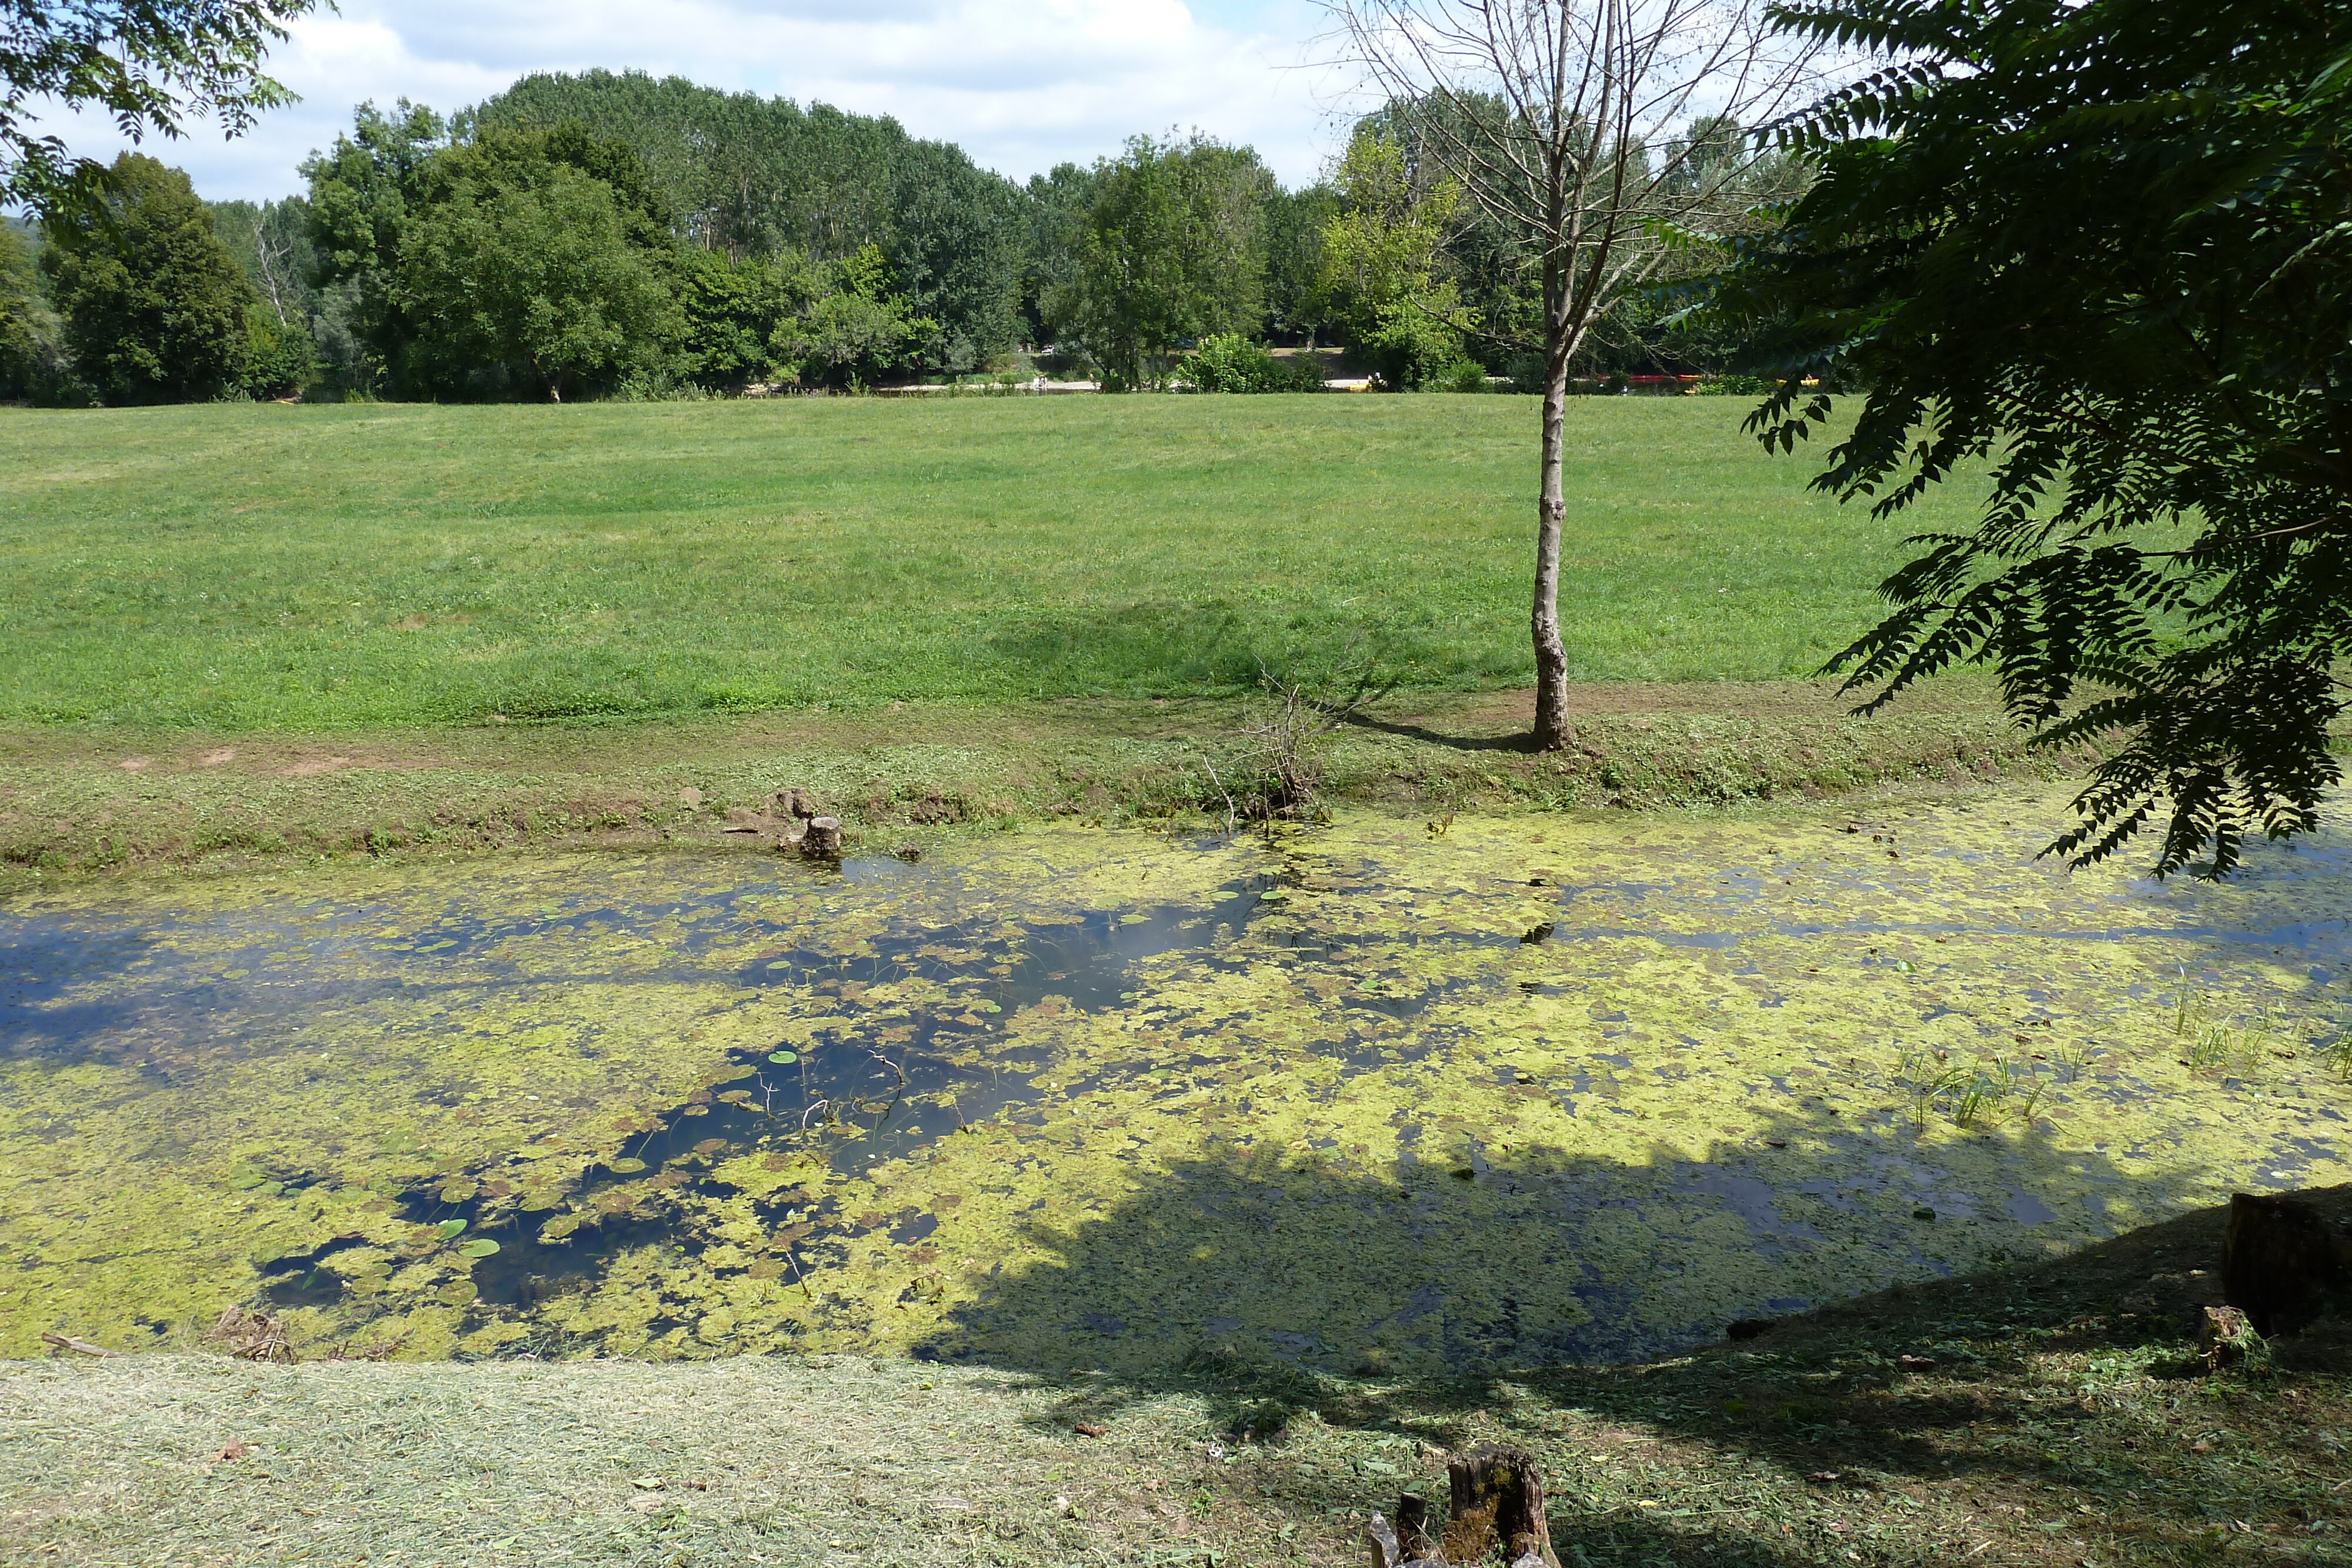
[[1598, 131]]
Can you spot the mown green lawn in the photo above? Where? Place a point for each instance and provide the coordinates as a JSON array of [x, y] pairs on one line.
[[240, 567]]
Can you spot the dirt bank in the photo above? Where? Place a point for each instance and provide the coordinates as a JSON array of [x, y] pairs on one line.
[[75, 800]]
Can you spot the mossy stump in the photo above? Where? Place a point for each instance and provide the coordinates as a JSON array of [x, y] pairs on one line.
[[1497, 1500]]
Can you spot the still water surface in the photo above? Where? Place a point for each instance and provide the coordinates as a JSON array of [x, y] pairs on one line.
[[1362, 1097]]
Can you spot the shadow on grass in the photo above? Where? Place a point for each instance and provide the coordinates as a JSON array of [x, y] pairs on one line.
[[1405, 729], [1546, 1287], [1153, 646]]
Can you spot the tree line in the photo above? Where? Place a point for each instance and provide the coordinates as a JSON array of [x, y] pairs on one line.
[[615, 234]]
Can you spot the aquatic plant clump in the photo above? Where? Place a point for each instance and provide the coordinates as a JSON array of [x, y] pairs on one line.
[[1358, 1096]]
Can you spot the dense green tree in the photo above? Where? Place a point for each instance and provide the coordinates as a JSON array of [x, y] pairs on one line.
[[522, 273], [144, 65], [858, 327], [399, 211], [1172, 249], [956, 255], [1298, 304], [2103, 247], [736, 316], [1382, 263], [755, 178], [1057, 205], [361, 192], [1486, 261], [156, 308], [29, 348]]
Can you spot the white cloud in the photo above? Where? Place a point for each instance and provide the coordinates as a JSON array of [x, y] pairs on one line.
[[1020, 84]]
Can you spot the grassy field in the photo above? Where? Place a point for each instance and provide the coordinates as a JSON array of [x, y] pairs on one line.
[[2051, 1416], [280, 569]]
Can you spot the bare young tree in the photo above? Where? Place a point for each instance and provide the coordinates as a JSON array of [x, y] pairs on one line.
[[274, 257], [1598, 131]]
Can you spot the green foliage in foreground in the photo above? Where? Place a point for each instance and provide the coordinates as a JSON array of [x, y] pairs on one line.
[[149, 65], [2111, 245], [349, 565]]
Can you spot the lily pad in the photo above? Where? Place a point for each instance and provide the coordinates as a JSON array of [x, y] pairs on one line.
[[449, 1227], [626, 1167], [480, 1246], [783, 1058]]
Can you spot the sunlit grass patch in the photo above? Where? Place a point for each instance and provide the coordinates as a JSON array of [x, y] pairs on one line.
[[260, 568]]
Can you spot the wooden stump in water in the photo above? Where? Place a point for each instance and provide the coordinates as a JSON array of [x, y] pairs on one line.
[[822, 840], [2284, 1263], [1497, 1500]]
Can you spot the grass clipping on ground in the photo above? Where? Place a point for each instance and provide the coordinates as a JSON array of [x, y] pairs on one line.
[[2046, 1415]]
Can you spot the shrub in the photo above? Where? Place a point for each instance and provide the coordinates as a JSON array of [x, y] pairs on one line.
[[280, 357], [1462, 376], [1229, 362]]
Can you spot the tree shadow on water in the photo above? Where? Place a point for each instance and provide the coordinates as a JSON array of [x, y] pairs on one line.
[[1470, 1291]]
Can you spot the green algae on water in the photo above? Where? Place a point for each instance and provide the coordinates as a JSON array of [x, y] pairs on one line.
[[1537, 1090]]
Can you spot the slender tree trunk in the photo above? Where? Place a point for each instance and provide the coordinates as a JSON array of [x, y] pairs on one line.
[[1551, 508]]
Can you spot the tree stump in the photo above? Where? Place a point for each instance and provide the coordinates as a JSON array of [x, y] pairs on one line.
[[1406, 1544], [795, 803], [1498, 1495], [1498, 1501], [822, 840], [2223, 1337], [1413, 1528], [2282, 1263]]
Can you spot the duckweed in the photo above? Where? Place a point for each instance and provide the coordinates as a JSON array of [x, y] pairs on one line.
[[1076, 1098]]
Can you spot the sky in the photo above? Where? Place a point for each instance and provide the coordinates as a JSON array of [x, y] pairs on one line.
[[1021, 85]]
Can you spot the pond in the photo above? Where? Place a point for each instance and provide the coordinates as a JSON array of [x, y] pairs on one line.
[[1367, 1097]]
